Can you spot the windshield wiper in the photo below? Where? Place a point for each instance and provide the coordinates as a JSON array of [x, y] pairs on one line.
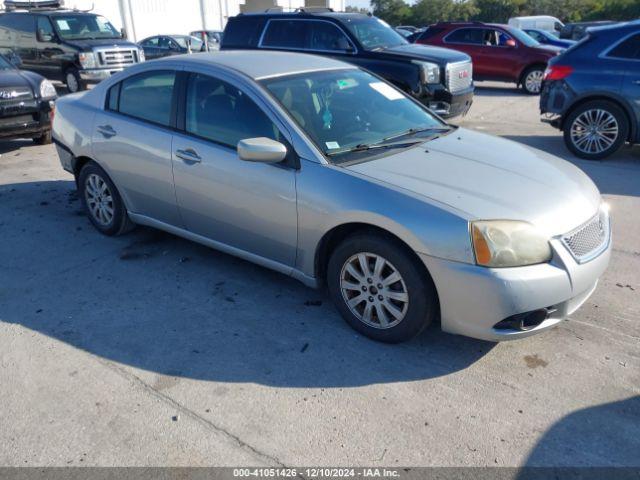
[[363, 147], [413, 131]]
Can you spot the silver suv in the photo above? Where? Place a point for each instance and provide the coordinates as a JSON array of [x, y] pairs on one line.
[[322, 171]]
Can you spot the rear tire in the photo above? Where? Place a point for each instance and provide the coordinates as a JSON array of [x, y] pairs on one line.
[[532, 80], [393, 300], [102, 202], [596, 129]]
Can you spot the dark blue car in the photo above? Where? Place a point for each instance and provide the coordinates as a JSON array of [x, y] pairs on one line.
[[592, 91], [547, 38]]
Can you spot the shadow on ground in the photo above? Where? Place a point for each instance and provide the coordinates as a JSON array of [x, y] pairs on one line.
[[500, 90], [583, 439], [159, 303]]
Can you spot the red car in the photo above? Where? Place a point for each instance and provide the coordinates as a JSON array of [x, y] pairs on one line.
[[499, 52]]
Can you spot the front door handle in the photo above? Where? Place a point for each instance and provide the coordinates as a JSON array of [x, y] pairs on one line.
[[107, 131], [188, 155]]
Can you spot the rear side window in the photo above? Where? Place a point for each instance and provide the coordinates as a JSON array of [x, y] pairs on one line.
[[20, 22], [285, 34], [326, 36], [474, 36], [112, 98], [148, 96], [430, 33], [628, 49], [218, 111], [243, 31]]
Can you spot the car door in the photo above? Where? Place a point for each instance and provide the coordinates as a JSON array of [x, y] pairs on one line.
[[132, 141], [245, 205], [48, 49], [152, 49], [499, 55], [22, 29], [626, 55]]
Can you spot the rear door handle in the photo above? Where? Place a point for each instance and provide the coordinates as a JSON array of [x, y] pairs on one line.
[[188, 155], [107, 131]]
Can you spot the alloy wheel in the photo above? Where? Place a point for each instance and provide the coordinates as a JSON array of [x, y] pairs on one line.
[[594, 131], [533, 81], [72, 82], [99, 200], [374, 290]]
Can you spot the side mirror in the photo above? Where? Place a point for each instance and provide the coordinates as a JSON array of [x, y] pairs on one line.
[[261, 149], [123, 33], [43, 36], [511, 43]]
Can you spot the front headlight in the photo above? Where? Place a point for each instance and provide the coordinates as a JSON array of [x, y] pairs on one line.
[[508, 243], [47, 90], [141, 57], [87, 60], [429, 72]]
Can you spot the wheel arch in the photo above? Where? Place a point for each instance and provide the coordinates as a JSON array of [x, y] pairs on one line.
[[528, 67], [633, 128]]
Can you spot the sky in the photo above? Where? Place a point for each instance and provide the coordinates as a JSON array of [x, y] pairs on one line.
[[357, 3]]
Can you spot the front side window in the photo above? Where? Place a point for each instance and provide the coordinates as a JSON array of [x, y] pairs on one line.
[[220, 112], [285, 34], [373, 33], [521, 37], [148, 96], [628, 49], [343, 109], [535, 35], [84, 27], [45, 27], [150, 42], [326, 36], [472, 36]]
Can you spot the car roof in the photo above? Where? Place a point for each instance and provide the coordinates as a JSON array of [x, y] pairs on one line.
[[259, 64], [307, 14]]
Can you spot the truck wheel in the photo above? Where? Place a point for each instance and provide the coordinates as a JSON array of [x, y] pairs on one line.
[[44, 139], [379, 289], [596, 129], [72, 79], [102, 201], [532, 80]]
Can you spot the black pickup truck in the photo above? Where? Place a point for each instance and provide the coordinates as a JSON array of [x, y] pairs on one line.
[[440, 78]]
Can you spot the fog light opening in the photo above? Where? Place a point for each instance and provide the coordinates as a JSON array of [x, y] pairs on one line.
[[524, 321]]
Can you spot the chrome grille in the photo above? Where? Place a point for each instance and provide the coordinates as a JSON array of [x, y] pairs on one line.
[[117, 58], [459, 76], [589, 239], [15, 94]]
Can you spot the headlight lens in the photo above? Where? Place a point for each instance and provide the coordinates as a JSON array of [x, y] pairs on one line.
[[508, 243], [87, 59], [141, 57], [429, 72], [47, 90]]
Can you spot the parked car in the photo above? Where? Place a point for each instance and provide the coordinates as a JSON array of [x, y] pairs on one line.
[[323, 171], [546, 23], [592, 91], [439, 78], [403, 32], [499, 52], [545, 38], [160, 46], [26, 104], [409, 28], [212, 37], [578, 30], [78, 48]]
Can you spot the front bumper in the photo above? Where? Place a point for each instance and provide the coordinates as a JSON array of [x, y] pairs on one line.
[[474, 299], [447, 104], [97, 75], [25, 119]]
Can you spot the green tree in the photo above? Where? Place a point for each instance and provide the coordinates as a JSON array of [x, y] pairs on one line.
[[394, 12]]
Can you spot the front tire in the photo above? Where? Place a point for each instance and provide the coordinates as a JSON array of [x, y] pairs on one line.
[[102, 202], [596, 130], [532, 80], [380, 289], [73, 81]]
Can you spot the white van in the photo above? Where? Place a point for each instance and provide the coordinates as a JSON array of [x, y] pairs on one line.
[[541, 22]]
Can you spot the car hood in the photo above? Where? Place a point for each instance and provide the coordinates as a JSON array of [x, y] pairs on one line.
[[101, 42], [13, 78], [486, 177], [427, 52]]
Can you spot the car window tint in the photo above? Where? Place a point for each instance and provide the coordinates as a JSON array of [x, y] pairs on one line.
[[112, 98], [535, 35], [466, 35], [44, 25], [243, 31], [220, 112], [285, 33], [151, 42], [630, 48], [21, 22], [148, 96], [326, 36]]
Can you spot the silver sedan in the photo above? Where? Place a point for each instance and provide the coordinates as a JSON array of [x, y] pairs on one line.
[[322, 171]]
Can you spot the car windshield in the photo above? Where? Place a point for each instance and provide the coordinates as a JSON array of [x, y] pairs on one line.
[[352, 114], [374, 33], [523, 37], [80, 27], [196, 43], [5, 64]]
